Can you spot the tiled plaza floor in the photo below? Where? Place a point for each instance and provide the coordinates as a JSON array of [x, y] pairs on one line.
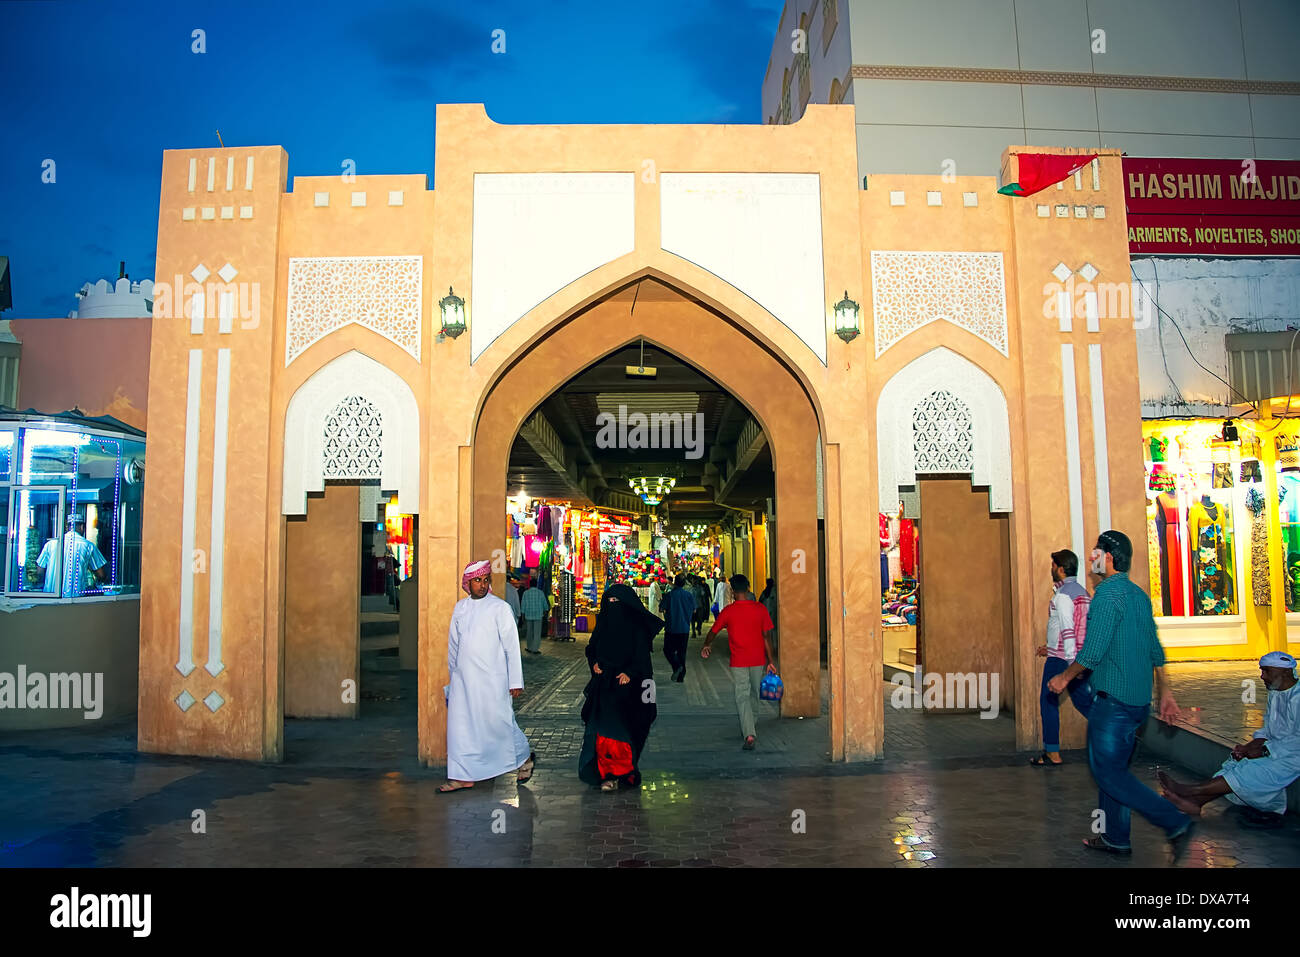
[[1225, 699], [950, 793]]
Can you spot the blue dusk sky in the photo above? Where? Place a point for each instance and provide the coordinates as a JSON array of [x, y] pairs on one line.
[[102, 88]]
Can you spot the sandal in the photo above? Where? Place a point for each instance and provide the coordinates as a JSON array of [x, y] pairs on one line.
[[1098, 843], [1043, 760], [454, 786], [525, 772], [610, 784]]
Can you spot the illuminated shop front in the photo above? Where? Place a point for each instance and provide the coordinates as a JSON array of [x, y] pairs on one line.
[[1210, 532], [71, 501]]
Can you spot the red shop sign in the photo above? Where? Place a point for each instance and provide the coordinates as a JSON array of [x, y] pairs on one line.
[[1213, 207]]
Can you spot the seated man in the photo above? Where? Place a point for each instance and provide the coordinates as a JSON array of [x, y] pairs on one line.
[[1257, 773]]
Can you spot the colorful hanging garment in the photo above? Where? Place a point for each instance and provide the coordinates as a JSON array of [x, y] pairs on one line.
[[1212, 569], [1260, 587], [1171, 554]]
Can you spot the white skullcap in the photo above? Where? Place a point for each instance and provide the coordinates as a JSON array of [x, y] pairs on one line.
[[1277, 659]]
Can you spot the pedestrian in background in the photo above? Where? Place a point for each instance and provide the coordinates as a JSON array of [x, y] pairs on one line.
[[1067, 624], [749, 633], [681, 609], [534, 604]]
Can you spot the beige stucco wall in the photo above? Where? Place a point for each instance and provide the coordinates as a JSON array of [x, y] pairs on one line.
[[455, 397], [82, 637]]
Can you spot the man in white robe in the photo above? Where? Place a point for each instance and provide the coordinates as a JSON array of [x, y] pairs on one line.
[[1257, 773], [483, 738]]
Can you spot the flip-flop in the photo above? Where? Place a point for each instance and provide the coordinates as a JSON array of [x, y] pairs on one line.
[[523, 776], [449, 787], [1042, 760]]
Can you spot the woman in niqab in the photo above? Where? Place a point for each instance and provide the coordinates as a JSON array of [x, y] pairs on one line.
[[619, 708]]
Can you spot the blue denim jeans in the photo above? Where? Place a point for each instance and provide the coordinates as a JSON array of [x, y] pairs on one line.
[[1112, 739], [1049, 704]]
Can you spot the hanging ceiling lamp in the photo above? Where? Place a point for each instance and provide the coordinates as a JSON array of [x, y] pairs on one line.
[[652, 489]]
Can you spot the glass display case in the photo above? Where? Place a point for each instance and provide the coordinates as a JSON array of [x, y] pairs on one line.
[[72, 499], [1197, 521], [1289, 506]]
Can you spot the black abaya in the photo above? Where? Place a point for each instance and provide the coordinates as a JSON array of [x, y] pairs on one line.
[[620, 644]]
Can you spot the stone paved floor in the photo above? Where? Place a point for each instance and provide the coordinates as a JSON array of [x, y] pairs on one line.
[[1216, 701], [951, 792]]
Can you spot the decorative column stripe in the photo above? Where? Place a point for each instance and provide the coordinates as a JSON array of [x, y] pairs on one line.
[[248, 174], [1064, 311], [226, 312], [185, 663], [1091, 311], [212, 173], [1073, 464], [194, 172], [218, 548], [197, 306], [230, 173], [1099, 441]]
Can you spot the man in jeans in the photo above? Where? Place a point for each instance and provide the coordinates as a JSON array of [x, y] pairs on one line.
[[534, 604], [1067, 619], [749, 633], [681, 609], [1122, 649]]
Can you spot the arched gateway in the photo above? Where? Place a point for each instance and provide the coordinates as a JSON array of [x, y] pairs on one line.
[[318, 362]]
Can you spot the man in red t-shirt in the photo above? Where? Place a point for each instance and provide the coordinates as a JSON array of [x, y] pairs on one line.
[[749, 633]]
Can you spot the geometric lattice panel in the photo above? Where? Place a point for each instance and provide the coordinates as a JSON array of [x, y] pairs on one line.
[[913, 289], [354, 441], [943, 439], [382, 293]]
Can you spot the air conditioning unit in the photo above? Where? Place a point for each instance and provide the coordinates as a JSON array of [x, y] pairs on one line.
[[1262, 365]]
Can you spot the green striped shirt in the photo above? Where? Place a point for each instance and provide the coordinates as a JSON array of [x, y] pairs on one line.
[[1121, 646]]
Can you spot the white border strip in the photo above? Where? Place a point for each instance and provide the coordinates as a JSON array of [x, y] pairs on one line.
[[185, 664], [226, 313], [218, 545], [1073, 465], [1099, 442]]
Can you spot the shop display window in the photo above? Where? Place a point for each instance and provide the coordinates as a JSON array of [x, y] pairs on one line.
[[73, 506], [1289, 505], [1198, 526]]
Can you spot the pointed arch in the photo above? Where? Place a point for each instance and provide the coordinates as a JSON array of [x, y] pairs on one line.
[[358, 407], [942, 413]]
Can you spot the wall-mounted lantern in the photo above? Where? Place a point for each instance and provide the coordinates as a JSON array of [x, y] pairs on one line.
[[846, 318], [453, 314]]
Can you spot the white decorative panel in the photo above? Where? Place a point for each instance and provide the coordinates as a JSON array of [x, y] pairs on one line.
[[942, 436], [354, 440], [362, 419], [760, 232], [942, 413], [913, 289], [382, 293], [534, 233]]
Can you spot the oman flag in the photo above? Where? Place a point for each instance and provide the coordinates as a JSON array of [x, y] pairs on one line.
[[1041, 170]]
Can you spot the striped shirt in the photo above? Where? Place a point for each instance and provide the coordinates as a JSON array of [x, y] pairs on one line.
[[534, 604], [1067, 620], [1121, 646]]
